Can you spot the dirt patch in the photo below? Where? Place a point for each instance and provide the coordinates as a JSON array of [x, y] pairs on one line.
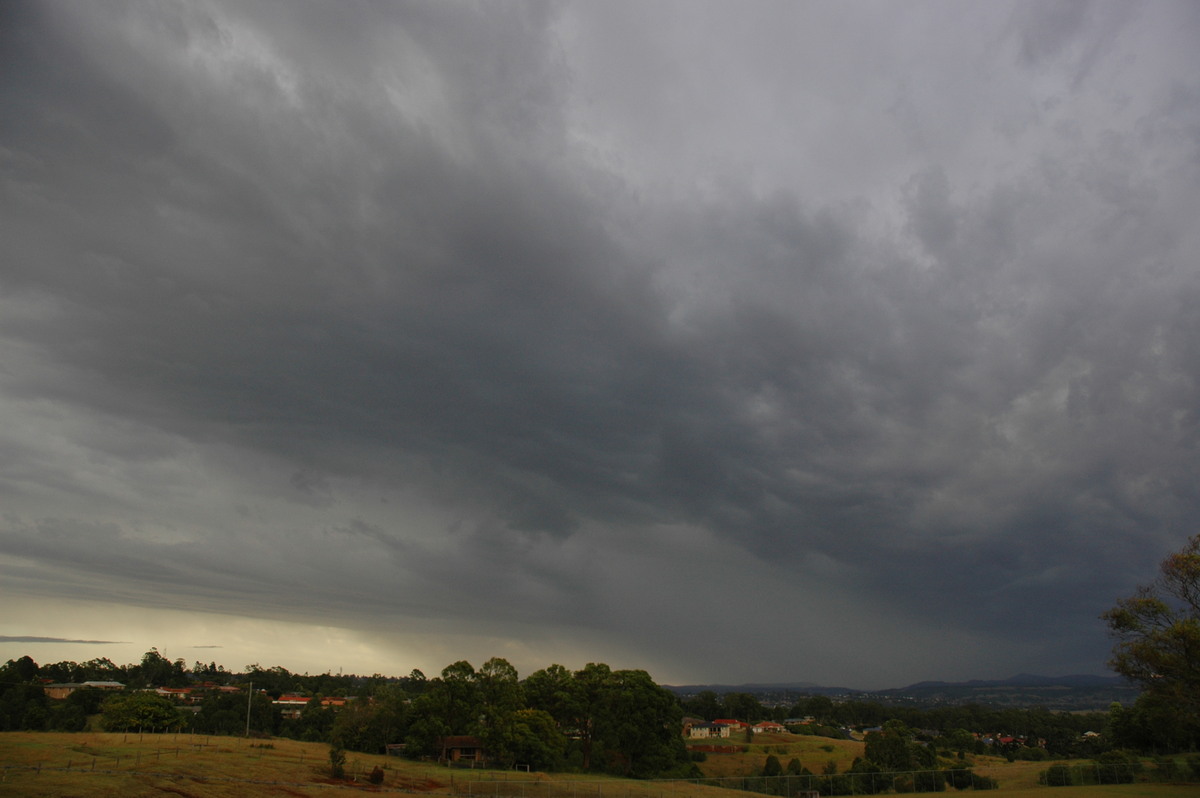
[[418, 785], [717, 749], [178, 791]]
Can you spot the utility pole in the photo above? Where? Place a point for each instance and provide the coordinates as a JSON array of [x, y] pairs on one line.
[[249, 698]]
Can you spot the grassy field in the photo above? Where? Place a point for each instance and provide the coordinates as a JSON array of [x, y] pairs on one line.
[[37, 765], [1014, 778], [813, 753], [89, 765]]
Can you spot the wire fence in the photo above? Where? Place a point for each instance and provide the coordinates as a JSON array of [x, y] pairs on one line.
[[803, 786], [792, 786]]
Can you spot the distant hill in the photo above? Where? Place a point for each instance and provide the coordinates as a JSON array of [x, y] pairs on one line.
[[1068, 693], [1026, 680], [758, 688], [1077, 692]]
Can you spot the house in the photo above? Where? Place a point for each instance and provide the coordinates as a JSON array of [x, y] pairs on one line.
[[768, 726], [462, 748], [731, 725], [183, 695], [62, 690], [731, 722], [290, 706], [704, 731]]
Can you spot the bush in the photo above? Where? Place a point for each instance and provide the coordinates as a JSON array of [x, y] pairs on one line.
[[983, 782], [376, 776], [1117, 767], [337, 761], [959, 778], [1167, 769], [928, 781], [141, 710], [1057, 776]]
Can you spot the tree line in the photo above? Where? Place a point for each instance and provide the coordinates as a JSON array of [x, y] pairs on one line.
[[595, 719], [620, 721]]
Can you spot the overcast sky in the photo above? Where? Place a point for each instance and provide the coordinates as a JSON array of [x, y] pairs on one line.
[[846, 342]]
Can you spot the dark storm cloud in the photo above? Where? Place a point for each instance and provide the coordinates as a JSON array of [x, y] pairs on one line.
[[29, 639], [410, 307]]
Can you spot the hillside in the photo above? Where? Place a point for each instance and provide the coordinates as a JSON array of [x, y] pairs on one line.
[[53, 765], [1080, 693]]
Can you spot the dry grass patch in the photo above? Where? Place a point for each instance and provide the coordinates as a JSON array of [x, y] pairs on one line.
[[813, 753], [89, 764]]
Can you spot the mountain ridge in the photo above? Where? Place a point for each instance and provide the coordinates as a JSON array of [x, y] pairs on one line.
[[1073, 692], [1019, 680]]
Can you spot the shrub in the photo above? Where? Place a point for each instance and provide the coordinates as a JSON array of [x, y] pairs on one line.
[[376, 776], [337, 761], [1056, 776], [1117, 767], [1168, 769], [983, 782], [959, 778]]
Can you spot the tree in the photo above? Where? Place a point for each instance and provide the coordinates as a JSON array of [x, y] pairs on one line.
[[892, 748], [639, 726], [1158, 638], [591, 692], [337, 760], [456, 696], [450, 705], [370, 725], [22, 707], [553, 690], [959, 741], [743, 706], [536, 740], [706, 704], [158, 671], [415, 682], [500, 697], [820, 707], [141, 710], [20, 670]]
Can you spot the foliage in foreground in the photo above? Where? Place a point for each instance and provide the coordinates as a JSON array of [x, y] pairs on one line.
[[1158, 647]]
